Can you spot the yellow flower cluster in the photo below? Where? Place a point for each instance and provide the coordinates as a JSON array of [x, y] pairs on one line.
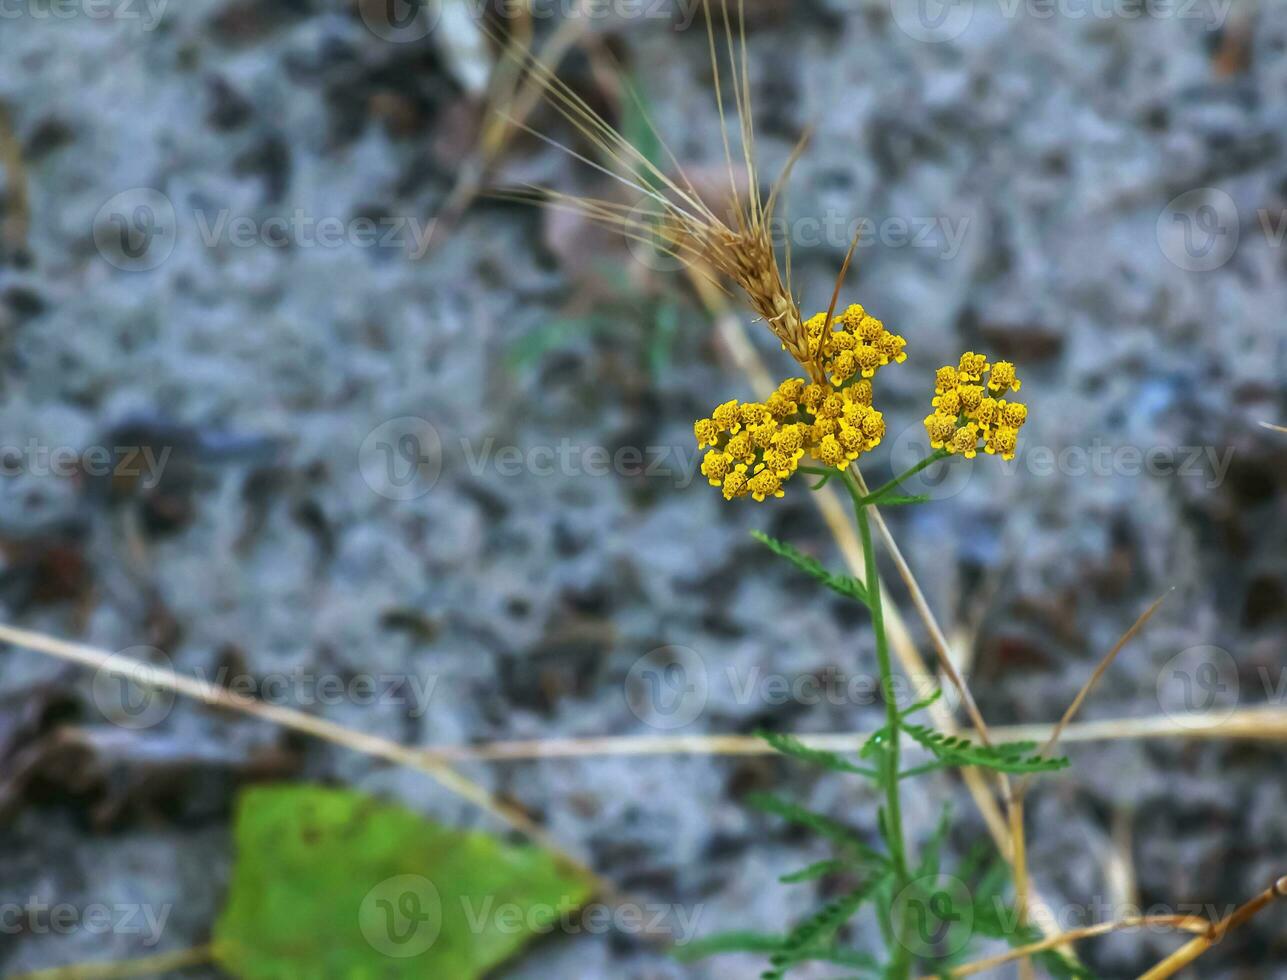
[[966, 412], [755, 447], [861, 345]]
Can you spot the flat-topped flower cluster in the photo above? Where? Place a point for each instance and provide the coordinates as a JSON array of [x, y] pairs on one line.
[[965, 414], [756, 447]]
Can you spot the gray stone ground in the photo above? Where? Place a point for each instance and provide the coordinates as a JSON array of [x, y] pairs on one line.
[[1021, 179]]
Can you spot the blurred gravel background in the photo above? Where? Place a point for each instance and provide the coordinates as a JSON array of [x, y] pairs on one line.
[[1098, 198]]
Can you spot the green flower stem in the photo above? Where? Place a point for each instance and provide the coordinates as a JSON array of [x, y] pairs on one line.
[[929, 460], [890, 751]]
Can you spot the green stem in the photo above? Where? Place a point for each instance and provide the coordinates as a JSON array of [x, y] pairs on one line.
[[929, 460], [893, 720]]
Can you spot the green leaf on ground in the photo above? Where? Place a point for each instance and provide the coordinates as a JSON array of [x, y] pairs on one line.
[[331, 882]]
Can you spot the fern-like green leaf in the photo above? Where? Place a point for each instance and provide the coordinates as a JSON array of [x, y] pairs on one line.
[[895, 500], [792, 746], [932, 853], [843, 584], [922, 704], [1014, 757], [815, 871], [729, 942], [811, 939], [824, 826]]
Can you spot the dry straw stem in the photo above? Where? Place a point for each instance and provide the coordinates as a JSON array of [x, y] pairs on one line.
[[512, 95], [1186, 923], [1016, 801], [1249, 724], [17, 220], [372, 745], [1190, 951]]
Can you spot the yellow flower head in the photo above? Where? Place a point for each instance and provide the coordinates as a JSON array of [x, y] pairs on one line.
[[965, 441], [869, 359], [1003, 377], [715, 467], [707, 432], [790, 440], [843, 367], [871, 330], [964, 414], [792, 388], [853, 317], [831, 452], [940, 428], [765, 483], [1003, 440], [756, 447], [735, 485], [859, 393], [1014, 415], [728, 417], [972, 366], [949, 403]]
